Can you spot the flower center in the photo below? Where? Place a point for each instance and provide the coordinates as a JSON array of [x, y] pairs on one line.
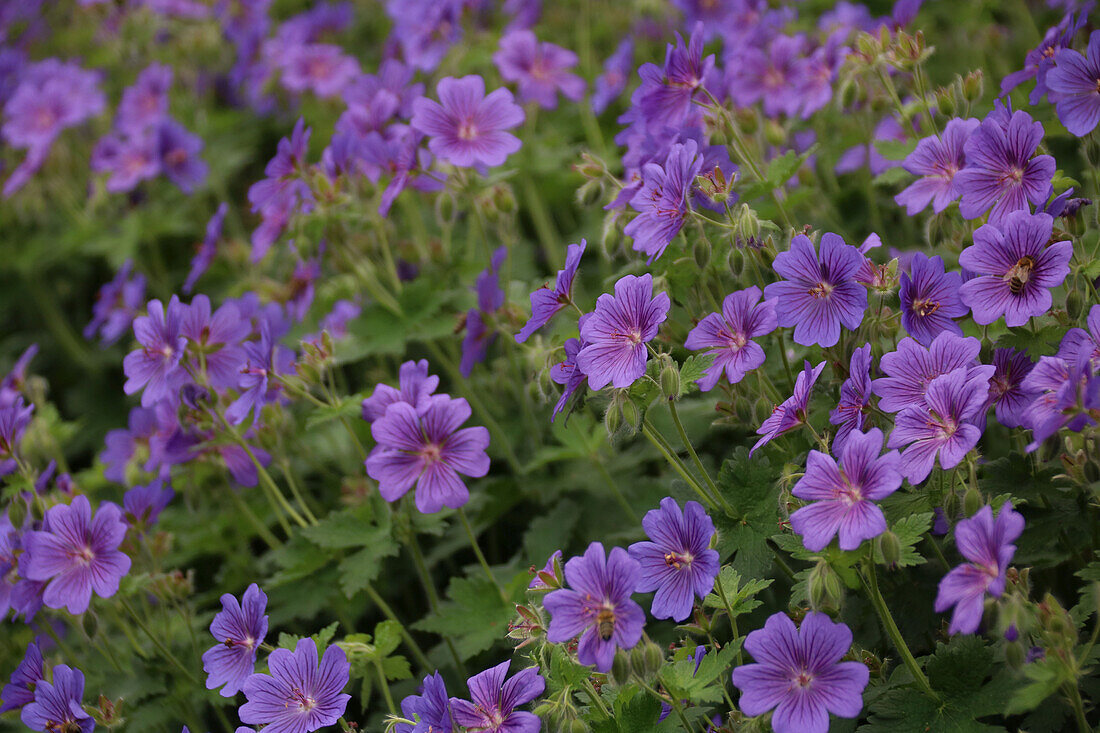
[[802, 678], [925, 307], [431, 453], [821, 291], [678, 559], [467, 130], [1018, 275], [83, 555], [176, 157], [304, 702], [736, 341]]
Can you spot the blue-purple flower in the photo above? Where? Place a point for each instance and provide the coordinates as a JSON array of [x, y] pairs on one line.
[[546, 302], [930, 299], [300, 694], [431, 709], [912, 367], [238, 630], [58, 705], [850, 414], [1074, 82], [728, 335], [662, 199], [792, 412], [154, 367], [20, 690], [495, 699], [936, 160], [616, 334], [415, 387], [467, 128], [539, 68]]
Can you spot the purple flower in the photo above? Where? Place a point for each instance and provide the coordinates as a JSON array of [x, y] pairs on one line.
[[1040, 60], [1000, 171], [936, 160], [843, 494], [792, 412], [1006, 389], [818, 293], [943, 425], [209, 247], [431, 708], [217, 337], [495, 700], [547, 569], [179, 155], [278, 196], [77, 554], [1078, 340], [129, 160], [799, 673], [540, 69], [20, 690], [774, 77], [662, 199], [143, 504], [490, 297], [415, 387], [145, 103], [597, 605], [467, 128], [264, 360], [320, 68], [57, 706], [850, 414], [14, 418], [117, 302], [987, 544], [566, 372], [729, 336], [666, 96], [545, 303], [1067, 390], [678, 562], [616, 70], [238, 629], [930, 299], [426, 447], [1074, 79], [909, 369], [616, 335], [1017, 268], [155, 366], [299, 695]]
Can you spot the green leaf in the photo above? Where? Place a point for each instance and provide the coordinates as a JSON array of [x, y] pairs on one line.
[[749, 485], [895, 149], [349, 406], [1044, 677], [782, 168], [350, 528], [742, 598], [692, 370], [475, 616], [1043, 342], [640, 713], [891, 176], [387, 637]]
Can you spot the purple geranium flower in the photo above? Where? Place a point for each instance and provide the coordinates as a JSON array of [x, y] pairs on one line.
[[1006, 389], [179, 150], [616, 71], [1078, 340], [1017, 268], [321, 68], [792, 412], [129, 160], [155, 366], [1040, 60], [597, 605], [566, 372], [844, 493], [666, 96], [117, 302], [415, 387], [57, 706], [799, 673], [495, 700], [1067, 392], [936, 160], [729, 336], [14, 418], [616, 334], [774, 76], [662, 199], [490, 298], [541, 69], [217, 337], [299, 695], [545, 303], [77, 553], [910, 369], [207, 249], [264, 360], [238, 629], [145, 103], [930, 299], [678, 562], [426, 447], [431, 708], [20, 690], [1075, 79], [987, 544], [143, 504], [943, 425], [818, 293], [850, 414], [466, 127], [1000, 170], [282, 192]]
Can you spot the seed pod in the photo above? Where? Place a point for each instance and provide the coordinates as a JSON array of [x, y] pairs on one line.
[[631, 417], [1074, 304], [612, 419], [701, 253], [446, 209], [654, 660], [972, 86], [578, 726]]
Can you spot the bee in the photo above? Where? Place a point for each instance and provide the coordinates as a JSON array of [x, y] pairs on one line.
[[605, 623], [1018, 275]]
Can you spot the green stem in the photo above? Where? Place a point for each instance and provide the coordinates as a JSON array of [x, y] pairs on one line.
[[596, 699], [429, 590], [385, 687], [786, 361], [1074, 696], [870, 584], [261, 528], [675, 462], [168, 655], [288, 474], [732, 618], [615, 490], [410, 642], [695, 457], [477, 551]]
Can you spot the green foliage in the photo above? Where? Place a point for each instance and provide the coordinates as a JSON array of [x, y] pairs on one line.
[[910, 531], [742, 598], [475, 616], [749, 485]]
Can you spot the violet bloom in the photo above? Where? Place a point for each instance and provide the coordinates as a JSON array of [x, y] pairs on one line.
[[77, 553], [944, 425], [1016, 267], [495, 700], [128, 160], [909, 369], [321, 68], [566, 372], [143, 504], [415, 387], [207, 249], [58, 705], [428, 449], [936, 160], [1078, 340], [116, 304], [1040, 60], [597, 605], [490, 298], [850, 414], [1075, 79], [616, 71], [145, 103], [1068, 395], [179, 155], [1000, 170], [300, 695], [155, 366], [431, 709], [843, 494], [729, 336], [662, 199], [545, 303], [667, 96], [264, 360], [547, 569], [217, 336], [798, 672], [987, 544], [677, 562], [14, 418], [20, 690], [616, 335], [238, 629], [1006, 389], [467, 128], [930, 299], [819, 293], [282, 192], [540, 69], [774, 77], [792, 412]]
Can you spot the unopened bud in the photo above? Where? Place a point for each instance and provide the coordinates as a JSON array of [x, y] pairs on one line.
[[890, 547], [621, 668], [612, 419], [972, 501], [578, 726], [446, 209], [973, 86], [1014, 655], [670, 381], [654, 660], [1074, 304], [631, 418], [825, 590], [701, 253], [945, 101], [736, 262]]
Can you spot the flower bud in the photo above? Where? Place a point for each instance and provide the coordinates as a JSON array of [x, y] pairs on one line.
[[972, 501], [17, 513], [945, 101], [446, 209], [972, 86], [612, 419], [631, 417], [1074, 304], [890, 547], [825, 588], [1014, 655], [578, 726], [654, 660], [621, 668], [504, 199], [736, 262], [774, 133], [701, 253], [670, 380]]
